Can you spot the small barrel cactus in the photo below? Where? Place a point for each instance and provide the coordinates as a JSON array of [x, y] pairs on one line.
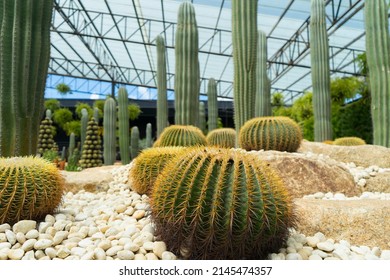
[[92, 150], [148, 165], [212, 203], [30, 188], [222, 138], [181, 135], [349, 141], [270, 133]]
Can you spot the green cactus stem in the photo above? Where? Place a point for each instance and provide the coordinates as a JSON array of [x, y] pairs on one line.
[[109, 131], [202, 118], [84, 124], [162, 100], [134, 142], [124, 130], [187, 78], [72, 144], [212, 105], [149, 139]]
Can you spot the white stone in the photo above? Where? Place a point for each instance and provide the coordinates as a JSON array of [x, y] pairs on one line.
[[339, 196], [112, 231], [114, 250], [376, 251], [312, 241], [151, 256], [59, 237], [88, 256], [42, 244], [341, 254], [50, 219], [357, 250], [85, 243], [291, 250], [24, 226], [63, 252], [78, 251], [4, 227], [15, 254], [28, 245], [148, 246], [100, 254], [51, 252], [168, 256], [6, 245], [385, 255], [125, 255], [29, 256], [81, 217], [321, 237], [293, 256], [159, 248], [322, 254], [331, 258], [20, 238], [319, 195], [43, 227], [325, 246], [132, 247], [60, 216], [11, 236], [362, 182], [32, 234], [314, 257], [139, 214], [345, 243]]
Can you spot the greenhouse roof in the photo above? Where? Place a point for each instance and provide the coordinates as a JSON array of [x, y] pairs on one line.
[[113, 41]]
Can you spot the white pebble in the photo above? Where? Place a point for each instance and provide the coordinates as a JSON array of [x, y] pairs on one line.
[[11, 236], [168, 256], [125, 255], [293, 256], [4, 227], [159, 248], [28, 245], [24, 226], [15, 254], [385, 255], [315, 257], [325, 246], [42, 244], [32, 234]]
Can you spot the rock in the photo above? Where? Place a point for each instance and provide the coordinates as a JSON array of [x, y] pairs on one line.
[[125, 255], [15, 254], [100, 254], [24, 226], [338, 253], [42, 244], [114, 250], [358, 221], [159, 248], [312, 241], [139, 257], [59, 237], [148, 246], [3, 238], [88, 256], [315, 258], [151, 256], [20, 238], [304, 176], [293, 256], [320, 253], [11, 236], [363, 155], [29, 256], [385, 255], [4, 227], [139, 214], [325, 246], [28, 245], [63, 252], [32, 234], [78, 251], [379, 183], [168, 256], [5, 245], [91, 179], [3, 256]]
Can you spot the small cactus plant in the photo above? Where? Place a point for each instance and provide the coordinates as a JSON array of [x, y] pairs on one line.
[[181, 135], [222, 138], [213, 203], [92, 151], [45, 137], [134, 142], [30, 188], [270, 133], [148, 165], [349, 141]]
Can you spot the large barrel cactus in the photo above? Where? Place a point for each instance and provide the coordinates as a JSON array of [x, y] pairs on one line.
[[320, 73], [30, 188], [187, 80], [222, 138], [378, 60], [214, 203], [148, 165], [181, 135], [271, 133]]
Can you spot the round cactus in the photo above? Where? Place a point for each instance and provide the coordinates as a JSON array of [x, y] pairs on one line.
[[349, 141], [222, 138], [181, 135], [30, 188], [270, 133], [148, 165], [212, 203]]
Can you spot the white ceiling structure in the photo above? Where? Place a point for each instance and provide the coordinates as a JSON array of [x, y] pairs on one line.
[[113, 41]]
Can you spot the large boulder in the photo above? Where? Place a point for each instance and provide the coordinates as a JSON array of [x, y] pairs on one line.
[[363, 155], [378, 183], [361, 222], [304, 175], [91, 179]]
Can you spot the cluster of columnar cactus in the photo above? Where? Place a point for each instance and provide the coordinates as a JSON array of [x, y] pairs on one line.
[[91, 155], [45, 136]]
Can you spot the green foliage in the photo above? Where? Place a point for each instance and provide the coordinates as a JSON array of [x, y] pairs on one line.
[[73, 161], [63, 89], [62, 116], [270, 133], [134, 111], [100, 105], [52, 104], [50, 155], [277, 99], [73, 126], [344, 88], [213, 203], [80, 106], [30, 188]]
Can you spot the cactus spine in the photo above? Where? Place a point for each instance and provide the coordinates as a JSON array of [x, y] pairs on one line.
[[202, 118], [320, 75], [187, 78], [162, 100], [220, 204], [109, 127], [378, 60], [123, 120], [212, 104], [24, 59], [149, 140], [244, 32], [134, 142], [263, 94]]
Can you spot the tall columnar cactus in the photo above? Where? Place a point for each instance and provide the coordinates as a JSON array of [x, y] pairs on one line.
[[187, 78], [45, 137], [212, 103], [72, 144], [134, 142], [123, 120], [181, 135], [162, 99], [270, 133], [92, 151], [84, 124], [48, 114], [30, 188], [263, 94], [149, 139], [109, 130], [378, 60], [320, 75], [24, 59], [96, 114], [244, 32], [213, 203], [202, 117]]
